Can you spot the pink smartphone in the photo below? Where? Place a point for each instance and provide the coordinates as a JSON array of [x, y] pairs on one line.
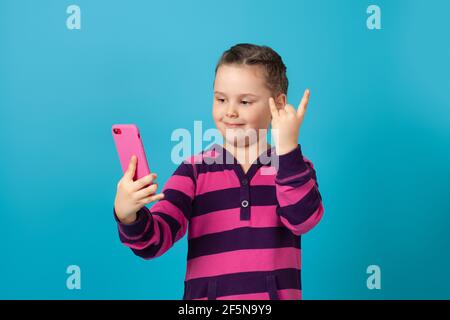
[[128, 142]]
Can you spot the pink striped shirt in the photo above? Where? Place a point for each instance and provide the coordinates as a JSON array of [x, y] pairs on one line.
[[244, 229]]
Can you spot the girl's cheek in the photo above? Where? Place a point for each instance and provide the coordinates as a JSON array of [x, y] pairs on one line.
[[216, 113]]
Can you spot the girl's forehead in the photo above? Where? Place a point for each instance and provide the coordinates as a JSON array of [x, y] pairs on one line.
[[255, 71], [237, 79]]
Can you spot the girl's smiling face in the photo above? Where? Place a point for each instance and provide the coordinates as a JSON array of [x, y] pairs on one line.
[[241, 101]]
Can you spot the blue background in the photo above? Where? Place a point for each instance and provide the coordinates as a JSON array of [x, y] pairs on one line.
[[377, 130]]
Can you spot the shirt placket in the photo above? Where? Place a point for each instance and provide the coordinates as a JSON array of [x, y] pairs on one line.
[[244, 190], [245, 199]]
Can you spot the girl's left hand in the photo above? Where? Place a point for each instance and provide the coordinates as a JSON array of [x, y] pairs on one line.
[[286, 124]]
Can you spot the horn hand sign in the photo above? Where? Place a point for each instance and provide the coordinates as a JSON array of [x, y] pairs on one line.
[[286, 123]]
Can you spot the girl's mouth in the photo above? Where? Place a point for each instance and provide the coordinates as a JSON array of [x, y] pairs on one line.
[[233, 125]]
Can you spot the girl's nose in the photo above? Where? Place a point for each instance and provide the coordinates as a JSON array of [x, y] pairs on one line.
[[231, 110]]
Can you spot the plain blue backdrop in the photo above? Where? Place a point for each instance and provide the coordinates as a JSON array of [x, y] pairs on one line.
[[377, 131]]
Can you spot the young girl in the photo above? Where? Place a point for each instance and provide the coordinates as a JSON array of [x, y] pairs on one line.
[[244, 217]]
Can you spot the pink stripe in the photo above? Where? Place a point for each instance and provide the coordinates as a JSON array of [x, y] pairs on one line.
[[198, 158], [167, 207], [243, 261], [289, 294], [212, 153], [261, 179], [229, 219], [182, 184], [189, 160], [268, 171], [304, 227], [247, 296], [288, 195], [284, 294], [213, 181], [295, 176]]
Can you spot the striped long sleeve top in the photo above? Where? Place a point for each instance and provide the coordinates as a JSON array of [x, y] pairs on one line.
[[244, 228]]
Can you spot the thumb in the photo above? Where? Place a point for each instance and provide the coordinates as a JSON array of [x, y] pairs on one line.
[[131, 168]]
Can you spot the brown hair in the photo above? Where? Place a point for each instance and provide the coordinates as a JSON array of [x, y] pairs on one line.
[[251, 54]]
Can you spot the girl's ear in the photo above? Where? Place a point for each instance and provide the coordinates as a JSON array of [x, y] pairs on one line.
[[280, 101]]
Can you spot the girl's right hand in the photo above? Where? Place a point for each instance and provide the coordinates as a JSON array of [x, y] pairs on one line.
[[132, 195]]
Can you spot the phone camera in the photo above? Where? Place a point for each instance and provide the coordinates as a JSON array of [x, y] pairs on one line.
[[117, 131]]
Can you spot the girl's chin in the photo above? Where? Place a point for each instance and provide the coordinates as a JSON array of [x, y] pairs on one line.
[[242, 132], [240, 142], [236, 127]]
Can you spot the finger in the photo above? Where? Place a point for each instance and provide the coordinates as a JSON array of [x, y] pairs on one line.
[[156, 197], [273, 107], [303, 103], [289, 109], [146, 192], [144, 181], [282, 112], [129, 174]]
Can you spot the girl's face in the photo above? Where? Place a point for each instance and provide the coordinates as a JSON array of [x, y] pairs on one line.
[[241, 103]]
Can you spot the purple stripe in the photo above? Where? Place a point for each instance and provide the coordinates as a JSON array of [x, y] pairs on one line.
[[242, 238], [243, 283], [291, 163], [305, 175], [215, 201], [230, 198], [174, 225], [203, 168], [144, 236], [186, 170], [180, 200], [150, 251], [136, 228], [300, 212]]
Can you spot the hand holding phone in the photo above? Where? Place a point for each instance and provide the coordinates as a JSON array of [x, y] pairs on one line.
[[137, 187]]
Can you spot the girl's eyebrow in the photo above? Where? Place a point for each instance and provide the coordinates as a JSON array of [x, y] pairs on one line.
[[241, 95]]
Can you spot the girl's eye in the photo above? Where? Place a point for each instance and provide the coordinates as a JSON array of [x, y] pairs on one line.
[[246, 102], [220, 100]]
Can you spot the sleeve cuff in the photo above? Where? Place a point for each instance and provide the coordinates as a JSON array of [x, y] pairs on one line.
[[291, 164], [138, 226]]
